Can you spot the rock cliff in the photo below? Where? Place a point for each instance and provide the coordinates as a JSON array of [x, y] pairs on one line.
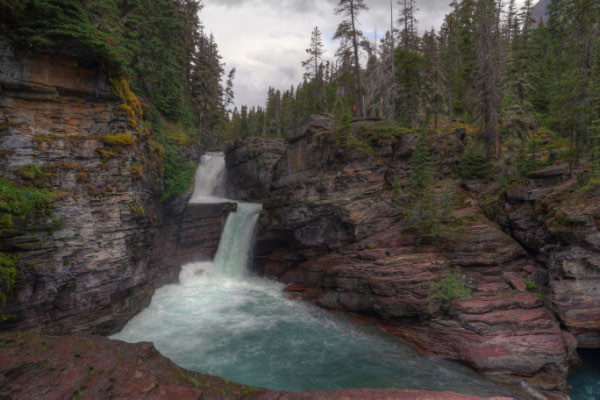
[[333, 229], [559, 223], [83, 238]]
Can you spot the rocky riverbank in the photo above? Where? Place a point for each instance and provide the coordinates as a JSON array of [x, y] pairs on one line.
[[91, 367], [334, 230]]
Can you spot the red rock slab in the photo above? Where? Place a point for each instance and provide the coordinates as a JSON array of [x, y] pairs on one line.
[[91, 367]]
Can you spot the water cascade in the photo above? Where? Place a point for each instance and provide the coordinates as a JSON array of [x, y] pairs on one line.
[[221, 321]]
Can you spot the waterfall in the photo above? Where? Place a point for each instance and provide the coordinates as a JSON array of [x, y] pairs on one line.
[[210, 179], [237, 240], [221, 321]]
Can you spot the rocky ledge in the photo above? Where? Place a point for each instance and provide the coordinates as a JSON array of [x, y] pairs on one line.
[[334, 231], [91, 367]]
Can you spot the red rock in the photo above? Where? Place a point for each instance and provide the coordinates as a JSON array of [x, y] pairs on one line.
[[34, 367]]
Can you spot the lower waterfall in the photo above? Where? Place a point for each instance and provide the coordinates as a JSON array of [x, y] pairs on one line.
[[222, 321]]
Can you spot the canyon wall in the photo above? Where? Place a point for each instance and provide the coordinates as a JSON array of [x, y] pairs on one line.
[[335, 229], [81, 226]]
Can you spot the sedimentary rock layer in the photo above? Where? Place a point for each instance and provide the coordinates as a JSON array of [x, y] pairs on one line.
[[337, 232]]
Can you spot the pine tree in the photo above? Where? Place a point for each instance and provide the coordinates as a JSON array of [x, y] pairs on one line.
[[315, 51], [408, 25], [487, 83], [351, 9]]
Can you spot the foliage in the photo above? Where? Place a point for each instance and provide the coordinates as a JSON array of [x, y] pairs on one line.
[[449, 288], [421, 174], [430, 209], [31, 172], [471, 165], [8, 275], [532, 286], [23, 201]]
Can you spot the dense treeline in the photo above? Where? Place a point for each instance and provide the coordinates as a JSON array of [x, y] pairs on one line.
[[158, 46], [490, 65]]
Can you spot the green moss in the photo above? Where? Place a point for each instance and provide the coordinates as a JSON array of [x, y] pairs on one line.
[[371, 246], [23, 201], [8, 275], [120, 139], [449, 288]]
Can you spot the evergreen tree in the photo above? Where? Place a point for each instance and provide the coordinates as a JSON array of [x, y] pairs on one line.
[[347, 29], [315, 52], [487, 83]]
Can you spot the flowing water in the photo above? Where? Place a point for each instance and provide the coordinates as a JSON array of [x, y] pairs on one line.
[[221, 321], [585, 380]]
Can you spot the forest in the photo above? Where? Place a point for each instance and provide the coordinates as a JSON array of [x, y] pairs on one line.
[[158, 47], [515, 81]]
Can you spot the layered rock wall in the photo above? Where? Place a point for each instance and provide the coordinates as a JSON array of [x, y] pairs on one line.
[[92, 259], [335, 229], [558, 221]]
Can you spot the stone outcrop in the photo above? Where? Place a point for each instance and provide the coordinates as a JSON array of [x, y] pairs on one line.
[[559, 223], [250, 164], [92, 367], [335, 230]]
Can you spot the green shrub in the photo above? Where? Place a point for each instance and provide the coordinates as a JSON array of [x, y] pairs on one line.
[[532, 286], [449, 288]]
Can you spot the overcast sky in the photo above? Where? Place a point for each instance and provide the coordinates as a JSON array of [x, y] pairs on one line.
[[265, 40]]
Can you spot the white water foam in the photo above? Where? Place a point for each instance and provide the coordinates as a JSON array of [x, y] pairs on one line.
[[209, 182]]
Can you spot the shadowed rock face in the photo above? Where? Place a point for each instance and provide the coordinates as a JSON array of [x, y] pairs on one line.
[[92, 367], [559, 224], [332, 230]]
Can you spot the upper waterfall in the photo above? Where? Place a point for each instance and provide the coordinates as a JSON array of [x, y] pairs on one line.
[[210, 179]]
